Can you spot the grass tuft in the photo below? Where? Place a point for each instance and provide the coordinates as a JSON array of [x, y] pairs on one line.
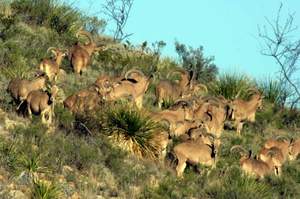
[[45, 190], [230, 84], [132, 131]]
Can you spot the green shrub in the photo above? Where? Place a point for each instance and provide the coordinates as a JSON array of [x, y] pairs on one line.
[[290, 119], [70, 150], [194, 59], [132, 131], [9, 155], [236, 185], [34, 133], [191, 186], [230, 85], [64, 118], [45, 190], [274, 91], [19, 71]]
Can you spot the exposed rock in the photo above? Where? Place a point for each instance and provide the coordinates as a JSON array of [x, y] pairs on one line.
[[11, 124], [75, 196], [15, 194], [67, 169], [99, 197]]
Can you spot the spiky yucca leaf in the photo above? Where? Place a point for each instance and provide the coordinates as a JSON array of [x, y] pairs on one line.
[[230, 85], [45, 190], [274, 91], [133, 131]]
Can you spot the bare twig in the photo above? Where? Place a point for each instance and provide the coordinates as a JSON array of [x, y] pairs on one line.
[[118, 11], [285, 51]]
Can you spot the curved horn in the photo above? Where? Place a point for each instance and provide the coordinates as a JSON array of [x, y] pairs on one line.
[[253, 91], [238, 147], [133, 71], [203, 87], [52, 50], [85, 33], [180, 103], [210, 99], [178, 70], [282, 137], [209, 115], [222, 99], [210, 135], [166, 122]]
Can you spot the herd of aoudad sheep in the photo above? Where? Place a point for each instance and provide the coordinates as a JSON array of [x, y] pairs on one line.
[[199, 121]]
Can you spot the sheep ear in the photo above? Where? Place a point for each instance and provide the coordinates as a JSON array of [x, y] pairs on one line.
[[209, 116]]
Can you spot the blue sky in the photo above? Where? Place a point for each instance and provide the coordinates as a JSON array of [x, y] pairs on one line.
[[226, 28]]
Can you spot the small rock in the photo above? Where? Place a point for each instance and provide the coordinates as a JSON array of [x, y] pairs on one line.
[[11, 124], [2, 179], [75, 196], [72, 185], [11, 186], [67, 169], [15, 194], [61, 179]]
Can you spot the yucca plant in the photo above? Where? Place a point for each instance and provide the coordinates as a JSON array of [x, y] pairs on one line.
[[274, 91], [30, 166], [230, 85], [133, 131], [42, 189], [236, 185]]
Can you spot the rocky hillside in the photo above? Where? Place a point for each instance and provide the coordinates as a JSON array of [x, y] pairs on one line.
[[105, 149]]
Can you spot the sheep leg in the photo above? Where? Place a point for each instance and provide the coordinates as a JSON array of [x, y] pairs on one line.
[[22, 101], [43, 114], [55, 78], [251, 117], [239, 126], [163, 154], [49, 112], [29, 111], [52, 109], [43, 117], [160, 103], [181, 166], [278, 171], [139, 101], [50, 116]]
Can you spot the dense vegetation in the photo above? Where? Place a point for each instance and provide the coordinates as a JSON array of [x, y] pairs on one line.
[[81, 157]]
